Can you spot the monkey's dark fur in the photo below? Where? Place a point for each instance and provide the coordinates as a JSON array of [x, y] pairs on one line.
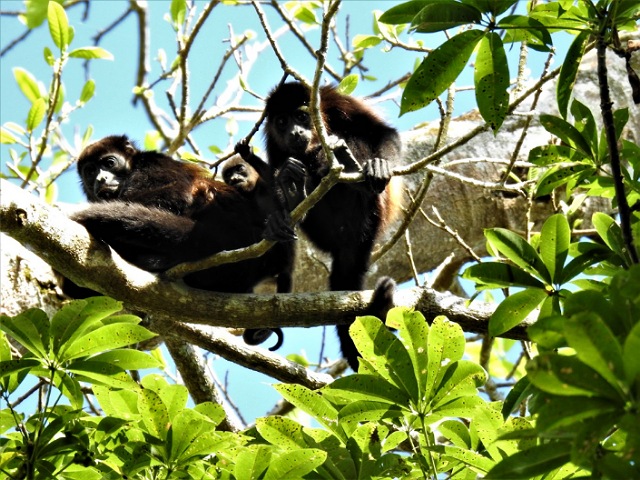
[[274, 194], [349, 218], [157, 212]]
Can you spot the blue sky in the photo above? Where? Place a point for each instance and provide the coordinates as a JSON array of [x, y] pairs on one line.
[[111, 110]]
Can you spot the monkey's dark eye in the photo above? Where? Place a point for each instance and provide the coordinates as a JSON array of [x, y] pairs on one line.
[[302, 116], [110, 162]]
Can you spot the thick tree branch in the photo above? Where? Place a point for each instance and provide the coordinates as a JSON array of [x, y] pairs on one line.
[[68, 248]]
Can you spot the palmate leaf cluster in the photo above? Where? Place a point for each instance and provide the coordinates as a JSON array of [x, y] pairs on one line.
[[443, 65], [414, 393]]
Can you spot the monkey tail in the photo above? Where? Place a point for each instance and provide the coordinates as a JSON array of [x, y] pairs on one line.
[[256, 336]]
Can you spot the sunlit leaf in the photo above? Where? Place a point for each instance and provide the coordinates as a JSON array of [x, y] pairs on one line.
[[28, 84], [58, 25], [89, 53], [514, 309], [36, 114], [88, 90], [518, 250]]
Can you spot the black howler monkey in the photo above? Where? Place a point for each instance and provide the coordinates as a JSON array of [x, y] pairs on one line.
[[275, 194], [157, 212], [348, 219]]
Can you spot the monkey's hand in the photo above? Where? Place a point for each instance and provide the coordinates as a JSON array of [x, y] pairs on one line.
[[291, 182], [377, 174], [279, 228], [344, 155], [243, 149]]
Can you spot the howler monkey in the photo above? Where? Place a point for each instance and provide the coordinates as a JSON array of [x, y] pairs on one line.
[[157, 212], [348, 219], [274, 194]]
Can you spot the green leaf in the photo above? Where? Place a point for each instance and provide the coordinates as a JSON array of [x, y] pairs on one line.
[[30, 329], [6, 137], [74, 318], [554, 244], [499, 275], [461, 379], [514, 309], [443, 15], [565, 411], [118, 403], [611, 234], [533, 461], [185, 429], [348, 84], [439, 70], [457, 432], [368, 411], [58, 25], [314, 404], [567, 133], [36, 114], [89, 53], [521, 28], [518, 393], [550, 154], [9, 367], [596, 346], [516, 249], [569, 71], [413, 330], [36, 12], [287, 434], [558, 176], [88, 90], [496, 7], [178, 12], [491, 78], [49, 57], [384, 352], [466, 456], [585, 123], [445, 345], [127, 359], [631, 358], [102, 374], [403, 13], [365, 41], [370, 387], [568, 376], [154, 413], [253, 461], [28, 84], [580, 263], [107, 337], [295, 464]]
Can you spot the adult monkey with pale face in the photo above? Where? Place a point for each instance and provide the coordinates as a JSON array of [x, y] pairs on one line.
[[347, 221]]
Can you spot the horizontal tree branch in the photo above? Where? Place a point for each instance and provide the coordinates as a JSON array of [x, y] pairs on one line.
[[69, 249]]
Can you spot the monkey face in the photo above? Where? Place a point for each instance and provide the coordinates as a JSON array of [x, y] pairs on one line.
[[104, 165], [102, 178], [292, 130], [240, 175]]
